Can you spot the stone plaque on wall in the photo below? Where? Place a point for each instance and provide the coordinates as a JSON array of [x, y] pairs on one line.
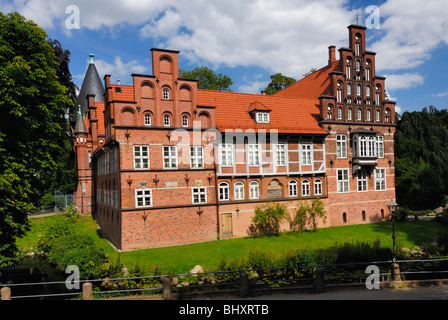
[[171, 184]]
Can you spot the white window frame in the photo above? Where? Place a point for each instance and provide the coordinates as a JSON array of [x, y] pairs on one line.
[[292, 187], [341, 146], [380, 179], [141, 161], [377, 115], [166, 94], [226, 159], [280, 155], [379, 146], [349, 114], [254, 190], [166, 120], [171, 157], [317, 187], [339, 113], [362, 184], [144, 196], [349, 89], [147, 119], [262, 117], [196, 157], [199, 195], [306, 192], [185, 121], [224, 191], [307, 150], [253, 155], [343, 185], [238, 190]]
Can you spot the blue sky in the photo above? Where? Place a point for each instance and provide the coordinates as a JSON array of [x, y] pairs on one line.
[[253, 39]]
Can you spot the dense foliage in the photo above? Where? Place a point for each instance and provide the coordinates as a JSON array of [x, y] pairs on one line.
[[207, 79]]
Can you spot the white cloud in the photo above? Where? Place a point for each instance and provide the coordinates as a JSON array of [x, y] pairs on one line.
[[403, 81], [441, 94], [253, 87], [119, 69]]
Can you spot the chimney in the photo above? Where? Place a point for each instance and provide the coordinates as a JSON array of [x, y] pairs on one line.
[[331, 55], [263, 93]]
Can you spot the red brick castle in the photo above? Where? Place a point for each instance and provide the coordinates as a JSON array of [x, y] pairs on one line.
[[161, 162]]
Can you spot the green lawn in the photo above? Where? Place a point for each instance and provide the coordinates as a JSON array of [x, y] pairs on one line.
[[181, 259]]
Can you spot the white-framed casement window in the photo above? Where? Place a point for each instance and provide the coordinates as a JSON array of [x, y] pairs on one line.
[[380, 146], [253, 157], [280, 154], [226, 155], [292, 188], [368, 115], [377, 115], [343, 181], [169, 157], [341, 146], [199, 195], [166, 94], [349, 114], [305, 188], [184, 121], [339, 113], [223, 191], [147, 119], [238, 190], [262, 117], [196, 157], [143, 198], [166, 120], [141, 157], [362, 180], [317, 187], [380, 179], [254, 192], [349, 89], [306, 154], [359, 114]]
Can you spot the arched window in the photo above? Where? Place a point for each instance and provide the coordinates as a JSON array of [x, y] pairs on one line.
[[184, 120], [305, 188], [166, 120], [358, 90], [387, 115], [317, 187], [292, 188], [339, 92], [330, 112], [382, 213], [358, 66], [369, 116], [349, 89], [359, 115], [363, 216], [166, 94], [339, 113], [239, 190], [367, 91], [377, 95], [223, 191], [377, 115], [348, 69], [349, 114], [253, 190], [367, 71], [147, 119], [344, 217]]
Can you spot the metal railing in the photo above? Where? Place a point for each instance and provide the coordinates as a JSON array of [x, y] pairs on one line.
[[235, 281]]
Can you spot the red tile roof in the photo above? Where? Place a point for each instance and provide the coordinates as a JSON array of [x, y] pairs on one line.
[[312, 86], [125, 94], [286, 115]]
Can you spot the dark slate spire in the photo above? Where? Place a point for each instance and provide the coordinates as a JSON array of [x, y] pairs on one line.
[[80, 126], [91, 85]]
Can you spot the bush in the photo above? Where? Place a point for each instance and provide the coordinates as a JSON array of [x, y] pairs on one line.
[[306, 214], [268, 218], [59, 226]]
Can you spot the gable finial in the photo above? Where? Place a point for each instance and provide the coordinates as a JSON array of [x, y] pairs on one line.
[[91, 58]]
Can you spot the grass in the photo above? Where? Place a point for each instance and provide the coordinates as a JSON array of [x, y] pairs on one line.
[[181, 259]]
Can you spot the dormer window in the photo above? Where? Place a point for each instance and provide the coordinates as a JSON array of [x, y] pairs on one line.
[[262, 117]]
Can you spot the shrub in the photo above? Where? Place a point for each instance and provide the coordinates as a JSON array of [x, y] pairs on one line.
[[268, 218], [59, 226], [306, 214]]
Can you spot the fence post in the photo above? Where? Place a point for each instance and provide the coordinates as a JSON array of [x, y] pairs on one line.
[[319, 282], [167, 289], [5, 293], [244, 284], [395, 273], [87, 291]]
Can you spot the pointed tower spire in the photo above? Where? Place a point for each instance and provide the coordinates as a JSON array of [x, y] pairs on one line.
[[80, 126]]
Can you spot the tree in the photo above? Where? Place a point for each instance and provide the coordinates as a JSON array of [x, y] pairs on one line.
[[207, 79], [306, 214], [32, 109], [312, 70], [279, 82], [268, 217]]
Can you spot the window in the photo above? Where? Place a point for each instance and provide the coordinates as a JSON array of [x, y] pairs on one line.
[[339, 93], [169, 157], [223, 191], [143, 198], [166, 120], [380, 146], [317, 187], [306, 154], [339, 113], [343, 185], [368, 115], [357, 66], [367, 146], [380, 179], [362, 180], [196, 157], [377, 115], [358, 90], [185, 121], [199, 195], [348, 69], [363, 216], [147, 119], [341, 146], [359, 114], [349, 89], [367, 91], [292, 188], [253, 190], [344, 217], [305, 188], [280, 154], [166, 93], [252, 155], [262, 117], [226, 155], [239, 190], [349, 114], [141, 157]]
